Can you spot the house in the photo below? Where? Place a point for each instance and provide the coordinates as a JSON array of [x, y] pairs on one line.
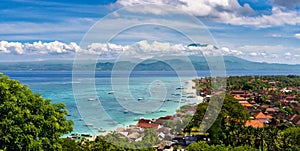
[[237, 92], [272, 109], [143, 123], [255, 123], [245, 104], [297, 108], [295, 119], [272, 89], [285, 90], [290, 98], [262, 117], [240, 98], [134, 136]]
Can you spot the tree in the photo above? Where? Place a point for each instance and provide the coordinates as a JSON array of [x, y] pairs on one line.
[[27, 121], [291, 137]]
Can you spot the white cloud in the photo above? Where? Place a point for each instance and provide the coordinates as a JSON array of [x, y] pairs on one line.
[[145, 49], [140, 49], [224, 11], [278, 18], [39, 47], [271, 53], [287, 54], [227, 51], [297, 35], [253, 54], [276, 35]]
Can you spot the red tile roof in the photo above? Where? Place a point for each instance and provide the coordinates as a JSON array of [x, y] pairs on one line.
[[143, 123], [255, 123], [245, 103], [260, 115], [148, 125]]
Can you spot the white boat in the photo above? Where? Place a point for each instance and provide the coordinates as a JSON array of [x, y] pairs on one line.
[[125, 111], [88, 125], [101, 130], [92, 99]]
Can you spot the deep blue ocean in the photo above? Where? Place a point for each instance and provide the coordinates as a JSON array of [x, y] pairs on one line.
[[57, 86]]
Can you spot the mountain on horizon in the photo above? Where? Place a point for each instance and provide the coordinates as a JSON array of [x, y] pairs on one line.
[[199, 63]]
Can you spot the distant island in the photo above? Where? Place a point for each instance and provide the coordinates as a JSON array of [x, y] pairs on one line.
[[199, 63]]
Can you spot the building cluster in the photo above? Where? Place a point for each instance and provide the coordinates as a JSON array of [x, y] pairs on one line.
[[167, 134], [270, 105]]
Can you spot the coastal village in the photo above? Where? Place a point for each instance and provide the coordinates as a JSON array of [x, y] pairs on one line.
[[166, 126], [271, 105]]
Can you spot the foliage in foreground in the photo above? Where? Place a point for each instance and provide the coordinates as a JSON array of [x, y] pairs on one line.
[[27, 121]]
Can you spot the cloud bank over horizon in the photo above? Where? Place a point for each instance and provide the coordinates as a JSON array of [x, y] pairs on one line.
[[146, 49]]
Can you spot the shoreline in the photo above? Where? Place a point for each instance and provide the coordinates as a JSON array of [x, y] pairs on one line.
[[188, 93]]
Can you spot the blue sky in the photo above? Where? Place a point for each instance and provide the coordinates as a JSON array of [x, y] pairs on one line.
[[258, 30]]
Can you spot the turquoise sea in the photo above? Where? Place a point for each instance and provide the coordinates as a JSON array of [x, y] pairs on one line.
[[57, 85]]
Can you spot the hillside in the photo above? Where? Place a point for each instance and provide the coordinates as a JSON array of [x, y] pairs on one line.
[[199, 63]]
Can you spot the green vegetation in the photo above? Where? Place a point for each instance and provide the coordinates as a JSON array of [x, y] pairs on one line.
[[229, 133], [112, 142], [232, 116], [262, 82], [229, 129], [27, 121], [203, 146]]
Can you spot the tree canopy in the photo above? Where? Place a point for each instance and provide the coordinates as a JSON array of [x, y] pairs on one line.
[[27, 121]]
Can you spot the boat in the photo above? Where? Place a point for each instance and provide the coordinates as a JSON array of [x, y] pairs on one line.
[[111, 92], [86, 135], [140, 99], [125, 111], [101, 130], [191, 96], [81, 119], [92, 99], [162, 111], [88, 125]]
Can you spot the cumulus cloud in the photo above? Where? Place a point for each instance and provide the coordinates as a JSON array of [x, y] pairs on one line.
[[147, 49], [254, 54], [144, 49], [270, 53], [287, 54], [197, 8], [227, 51], [39, 47], [225, 11], [297, 35], [140, 49]]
